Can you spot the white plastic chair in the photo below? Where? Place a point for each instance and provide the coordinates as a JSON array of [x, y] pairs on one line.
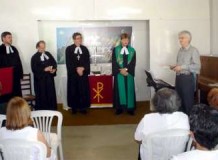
[[163, 145], [19, 149], [42, 119], [2, 119]]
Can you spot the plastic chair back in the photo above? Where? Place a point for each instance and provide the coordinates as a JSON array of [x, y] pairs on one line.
[[42, 119], [163, 145], [19, 149]]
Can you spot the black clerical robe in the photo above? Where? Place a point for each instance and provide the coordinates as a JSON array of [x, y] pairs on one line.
[[129, 63], [78, 92], [12, 60], [44, 85]]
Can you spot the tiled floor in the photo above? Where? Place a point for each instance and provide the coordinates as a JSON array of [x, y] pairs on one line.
[[107, 142]]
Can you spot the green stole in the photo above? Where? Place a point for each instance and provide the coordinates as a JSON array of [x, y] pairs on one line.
[[125, 98]]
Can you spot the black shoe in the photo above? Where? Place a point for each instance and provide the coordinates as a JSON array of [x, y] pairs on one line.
[[132, 113], [119, 111], [83, 112], [74, 111]]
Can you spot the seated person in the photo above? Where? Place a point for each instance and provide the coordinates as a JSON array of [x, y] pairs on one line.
[[204, 130], [19, 124], [212, 98], [166, 116]]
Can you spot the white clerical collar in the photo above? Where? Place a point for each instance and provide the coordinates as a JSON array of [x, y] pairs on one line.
[[44, 56], [124, 50], [78, 49], [9, 49]]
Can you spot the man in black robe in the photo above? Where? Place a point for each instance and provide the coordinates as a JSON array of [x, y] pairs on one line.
[[78, 69], [123, 69], [9, 57], [44, 68]]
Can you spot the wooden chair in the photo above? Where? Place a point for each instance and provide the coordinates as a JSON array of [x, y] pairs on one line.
[[26, 88]]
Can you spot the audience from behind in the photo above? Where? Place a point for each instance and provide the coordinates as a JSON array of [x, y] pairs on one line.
[[19, 124], [212, 98], [166, 116], [204, 130]]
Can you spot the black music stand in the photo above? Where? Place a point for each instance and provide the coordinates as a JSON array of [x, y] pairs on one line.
[[156, 83]]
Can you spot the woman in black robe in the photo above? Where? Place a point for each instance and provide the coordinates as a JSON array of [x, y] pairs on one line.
[[123, 69], [44, 68]]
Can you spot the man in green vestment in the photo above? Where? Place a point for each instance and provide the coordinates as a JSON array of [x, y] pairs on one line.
[[123, 68]]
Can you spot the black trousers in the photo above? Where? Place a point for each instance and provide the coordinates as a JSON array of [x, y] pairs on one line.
[[185, 87], [78, 94]]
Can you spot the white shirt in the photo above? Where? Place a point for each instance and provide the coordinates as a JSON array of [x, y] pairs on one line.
[[197, 155], [28, 133], [155, 122]]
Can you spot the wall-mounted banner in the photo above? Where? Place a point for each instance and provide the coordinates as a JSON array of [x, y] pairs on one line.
[[99, 40]]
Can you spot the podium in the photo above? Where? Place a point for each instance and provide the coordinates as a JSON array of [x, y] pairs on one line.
[[101, 91], [6, 81]]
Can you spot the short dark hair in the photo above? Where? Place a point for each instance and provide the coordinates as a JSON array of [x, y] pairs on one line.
[[204, 125], [166, 100], [124, 36], [39, 42], [4, 34], [76, 34]]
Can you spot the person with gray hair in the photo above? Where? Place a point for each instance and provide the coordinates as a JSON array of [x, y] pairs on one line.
[[166, 116], [187, 66]]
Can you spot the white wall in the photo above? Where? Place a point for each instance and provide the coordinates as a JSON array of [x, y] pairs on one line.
[[164, 44], [214, 27], [20, 17]]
